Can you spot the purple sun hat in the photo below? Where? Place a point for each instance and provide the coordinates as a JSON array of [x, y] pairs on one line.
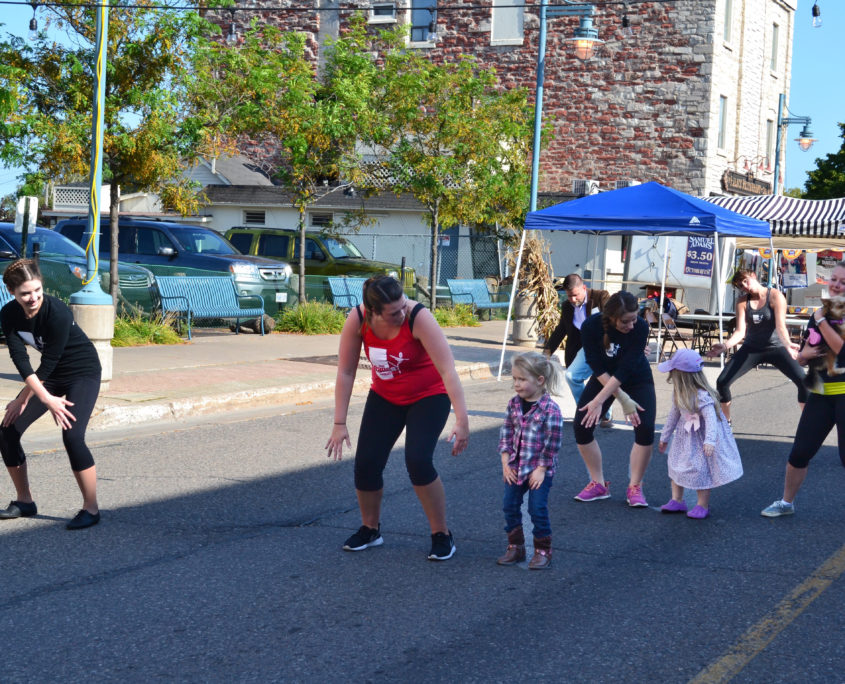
[[686, 360]]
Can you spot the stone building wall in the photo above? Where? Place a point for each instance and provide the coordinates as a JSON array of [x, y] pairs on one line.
[[645, 107]]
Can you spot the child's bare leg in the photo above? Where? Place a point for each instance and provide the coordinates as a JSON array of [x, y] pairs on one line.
[[703, 498], [677, 491]]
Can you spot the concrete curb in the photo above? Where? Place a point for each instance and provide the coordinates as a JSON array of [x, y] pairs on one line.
[[108, 417]]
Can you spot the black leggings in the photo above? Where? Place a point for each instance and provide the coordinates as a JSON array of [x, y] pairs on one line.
[[83, 393], [643, 393], [381, 426], [745, 359], [820, 414]]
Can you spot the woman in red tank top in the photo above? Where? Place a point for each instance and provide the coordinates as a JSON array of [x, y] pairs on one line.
[[414, 385]]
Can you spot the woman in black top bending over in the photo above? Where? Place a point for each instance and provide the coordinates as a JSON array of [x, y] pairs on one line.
[[761, 326], [66, 384]]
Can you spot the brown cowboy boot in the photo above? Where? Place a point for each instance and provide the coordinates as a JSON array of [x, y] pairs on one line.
[[542, 557], [516, 548]]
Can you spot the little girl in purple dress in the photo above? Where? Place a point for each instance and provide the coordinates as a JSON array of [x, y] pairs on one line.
[[703, 453]]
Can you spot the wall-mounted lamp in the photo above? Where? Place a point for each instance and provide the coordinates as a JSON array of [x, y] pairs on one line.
[[232, 36], [805, 138], [432, 25], [817, 15], [627, 31], [585, 39]]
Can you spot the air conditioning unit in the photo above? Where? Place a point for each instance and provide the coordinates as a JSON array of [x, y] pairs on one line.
[[625, 184], [584, 186]]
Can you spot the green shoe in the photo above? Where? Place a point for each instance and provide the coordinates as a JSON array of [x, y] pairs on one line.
[[777, 509]]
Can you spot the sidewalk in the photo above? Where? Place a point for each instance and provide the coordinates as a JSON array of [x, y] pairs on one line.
[[221, 371]]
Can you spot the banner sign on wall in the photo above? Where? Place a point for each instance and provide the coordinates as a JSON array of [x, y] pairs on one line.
[[699, 258]]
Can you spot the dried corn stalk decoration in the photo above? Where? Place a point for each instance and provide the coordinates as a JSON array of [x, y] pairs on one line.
[[536, 279]]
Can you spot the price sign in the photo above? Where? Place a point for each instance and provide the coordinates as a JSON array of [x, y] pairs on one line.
[[699, 256]]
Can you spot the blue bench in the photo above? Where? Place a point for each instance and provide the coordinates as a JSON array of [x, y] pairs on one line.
[[5, 295], [192, 297], [473, 292], [346, 292]]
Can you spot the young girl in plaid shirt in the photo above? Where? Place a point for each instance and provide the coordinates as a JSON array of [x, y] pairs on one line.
[[528, 443]]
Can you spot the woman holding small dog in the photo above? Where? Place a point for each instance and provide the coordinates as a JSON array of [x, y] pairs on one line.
[[761, 326], [825, 406]]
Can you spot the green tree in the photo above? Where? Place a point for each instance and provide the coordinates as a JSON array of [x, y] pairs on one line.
[[457, 141], [828, 179], [50, 136], [269, 89]]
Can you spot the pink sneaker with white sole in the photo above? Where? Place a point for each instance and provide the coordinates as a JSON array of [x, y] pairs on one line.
[[635, 496], [594, 491]]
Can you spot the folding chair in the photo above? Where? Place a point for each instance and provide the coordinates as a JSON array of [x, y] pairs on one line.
[[673, 335]]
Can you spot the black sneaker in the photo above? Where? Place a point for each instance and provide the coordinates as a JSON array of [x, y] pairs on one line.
[[442, 546], [364, 538]]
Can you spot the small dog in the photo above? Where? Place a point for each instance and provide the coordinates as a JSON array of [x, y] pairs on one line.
[[834, 312]]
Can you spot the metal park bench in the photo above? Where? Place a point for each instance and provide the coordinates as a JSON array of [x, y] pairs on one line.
[[346, 292], [192, 297], [474, 292]]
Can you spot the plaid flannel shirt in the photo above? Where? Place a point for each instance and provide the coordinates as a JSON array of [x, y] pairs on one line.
[[532, 440]]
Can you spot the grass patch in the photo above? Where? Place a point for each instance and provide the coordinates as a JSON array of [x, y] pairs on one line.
[[460, 315], [137, 331], [311, 318]]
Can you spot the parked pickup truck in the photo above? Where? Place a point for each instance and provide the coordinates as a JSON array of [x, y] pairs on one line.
[[325, 255]]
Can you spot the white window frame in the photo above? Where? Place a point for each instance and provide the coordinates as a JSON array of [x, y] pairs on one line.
[[728, 17], [251, 217], [419, 5], [383, 18], [770, 142], [501, 10], [722, 123]]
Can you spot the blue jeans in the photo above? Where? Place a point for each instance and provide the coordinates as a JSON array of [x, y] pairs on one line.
[[538, 507], [577, 374]]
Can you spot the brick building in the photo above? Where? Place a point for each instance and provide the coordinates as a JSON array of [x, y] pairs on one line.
[[689, 98]]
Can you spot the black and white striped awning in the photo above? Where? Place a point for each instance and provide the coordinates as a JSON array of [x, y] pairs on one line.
[[789, 216]]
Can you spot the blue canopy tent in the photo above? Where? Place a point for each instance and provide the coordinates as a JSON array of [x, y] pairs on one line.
[[647, 209]]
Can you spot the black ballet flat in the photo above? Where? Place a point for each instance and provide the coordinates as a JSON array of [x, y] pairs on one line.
[[83, 519], [18, 509]]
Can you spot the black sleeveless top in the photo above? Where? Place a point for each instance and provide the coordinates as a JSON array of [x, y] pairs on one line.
[[760, 330]]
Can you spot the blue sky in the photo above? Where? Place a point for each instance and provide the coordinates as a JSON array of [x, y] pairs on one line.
[[817, 53]]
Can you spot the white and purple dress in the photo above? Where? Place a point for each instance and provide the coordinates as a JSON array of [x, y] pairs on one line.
[[688, 466]]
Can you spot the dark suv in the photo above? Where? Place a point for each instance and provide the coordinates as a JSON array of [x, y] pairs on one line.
[[168, 248], [325, 255], [63, 266]]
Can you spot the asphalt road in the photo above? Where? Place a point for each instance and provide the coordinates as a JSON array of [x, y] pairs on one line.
[[218, 559]]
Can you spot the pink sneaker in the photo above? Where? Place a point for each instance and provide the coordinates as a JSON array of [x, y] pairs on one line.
[[594, 491], [635, 496], [673, 506]]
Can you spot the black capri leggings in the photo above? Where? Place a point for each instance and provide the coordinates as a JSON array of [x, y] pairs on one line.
[[643, 393], [381, 426], [746, 359], [820, 414], [83, 393]]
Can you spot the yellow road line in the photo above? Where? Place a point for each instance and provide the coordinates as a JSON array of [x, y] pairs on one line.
[[761, 635]]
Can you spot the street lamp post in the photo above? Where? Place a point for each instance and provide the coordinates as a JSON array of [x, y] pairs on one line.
[[586, 36], [805, 138], [92, 308]]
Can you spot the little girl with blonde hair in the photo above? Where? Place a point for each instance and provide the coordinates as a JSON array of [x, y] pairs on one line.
[[703, 454]]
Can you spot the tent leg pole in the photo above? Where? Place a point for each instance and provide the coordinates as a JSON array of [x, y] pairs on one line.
[[657, 353], [719, 296], [510, 305]]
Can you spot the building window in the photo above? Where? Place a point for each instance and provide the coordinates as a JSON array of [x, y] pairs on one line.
[[726, 32], [321, 220], [254, 218], [773, 63], [383, 13], [723, 121], [507, 22], [422, 15], [770, 142]]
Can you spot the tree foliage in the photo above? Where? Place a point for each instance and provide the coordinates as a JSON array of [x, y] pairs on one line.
[[828, 179], [456, 141], [48, 87]]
